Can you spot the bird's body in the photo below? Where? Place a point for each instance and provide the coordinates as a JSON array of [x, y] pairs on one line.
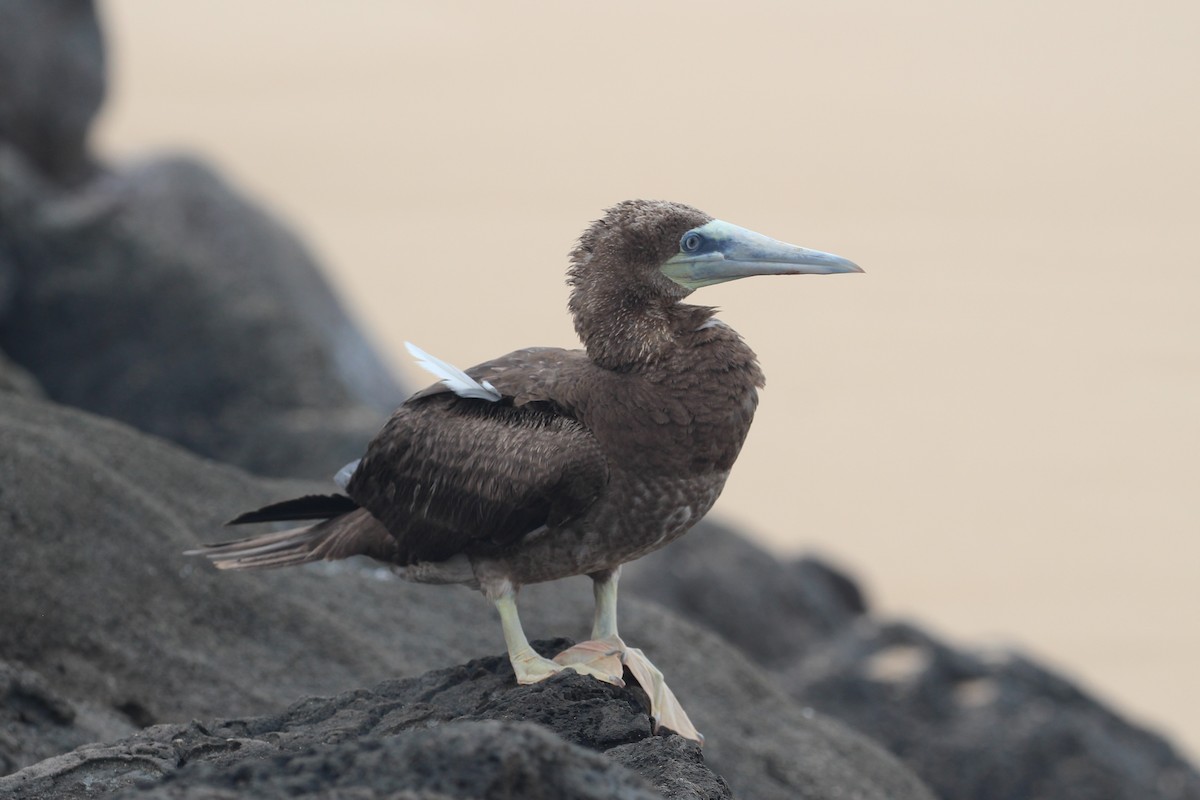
[[635, 458], [547, 463]]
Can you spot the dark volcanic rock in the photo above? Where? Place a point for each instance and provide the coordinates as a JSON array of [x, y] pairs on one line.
[[51, 82], [463, 732], [467, 760], [98, 596], [674, 765], [985, 728]]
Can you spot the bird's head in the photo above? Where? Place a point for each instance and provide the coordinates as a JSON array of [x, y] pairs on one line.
[[643, 257]]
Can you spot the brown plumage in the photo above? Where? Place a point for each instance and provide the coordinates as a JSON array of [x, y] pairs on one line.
[[563, 462]]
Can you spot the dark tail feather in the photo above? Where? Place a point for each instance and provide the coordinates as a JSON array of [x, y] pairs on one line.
[[353, 534], [311, 506]]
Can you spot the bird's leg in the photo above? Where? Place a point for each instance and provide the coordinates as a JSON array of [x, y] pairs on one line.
[[603, 650], [528, 666], [604, 589], [606, 644]]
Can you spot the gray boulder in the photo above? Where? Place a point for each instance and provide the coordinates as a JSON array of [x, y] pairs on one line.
[[984, 727], [974, 726], [159, 297]]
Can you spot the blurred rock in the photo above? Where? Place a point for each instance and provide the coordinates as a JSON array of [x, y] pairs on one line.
[[974, 727], [156, 294], [984, 728], [51, 83], [159, 297], [16, 379], [770, 609], [8, 281], [37, 722], [97, 595]]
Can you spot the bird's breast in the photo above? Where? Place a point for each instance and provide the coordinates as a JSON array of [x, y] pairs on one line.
[[686, 425], [635, 517]]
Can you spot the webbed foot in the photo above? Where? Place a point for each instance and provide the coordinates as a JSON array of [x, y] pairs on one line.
[[609, 655], [532, 668]]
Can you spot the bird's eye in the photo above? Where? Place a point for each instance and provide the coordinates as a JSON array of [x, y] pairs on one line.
[[691, 242]]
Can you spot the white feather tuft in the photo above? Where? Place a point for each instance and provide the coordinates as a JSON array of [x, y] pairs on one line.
[[454, 378], [342, 479]]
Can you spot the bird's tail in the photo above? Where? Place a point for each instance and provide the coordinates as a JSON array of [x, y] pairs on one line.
[[344, 530], [280, 549]]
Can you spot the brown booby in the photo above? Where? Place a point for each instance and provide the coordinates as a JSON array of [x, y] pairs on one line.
[[547, 463]]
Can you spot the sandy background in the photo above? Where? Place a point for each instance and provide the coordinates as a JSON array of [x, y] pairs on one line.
[[997, 428]]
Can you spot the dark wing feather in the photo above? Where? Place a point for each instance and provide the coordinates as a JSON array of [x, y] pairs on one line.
[[449, 475], [311, 506]]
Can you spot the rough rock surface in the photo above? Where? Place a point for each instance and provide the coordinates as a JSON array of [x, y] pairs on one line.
[[98, 598], [463, 732]]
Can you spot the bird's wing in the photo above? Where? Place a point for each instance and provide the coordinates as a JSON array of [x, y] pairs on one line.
[[451, 473]]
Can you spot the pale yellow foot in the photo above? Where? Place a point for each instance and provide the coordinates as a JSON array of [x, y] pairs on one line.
[[531, 668], [600, 654], [595, 656]]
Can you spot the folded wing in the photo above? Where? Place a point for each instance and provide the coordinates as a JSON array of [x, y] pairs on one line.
[[450, 474]]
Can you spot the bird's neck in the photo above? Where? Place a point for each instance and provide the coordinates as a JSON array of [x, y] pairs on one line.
[[629, 336]]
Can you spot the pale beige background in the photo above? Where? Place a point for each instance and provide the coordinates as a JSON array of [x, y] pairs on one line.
[[996, 427]]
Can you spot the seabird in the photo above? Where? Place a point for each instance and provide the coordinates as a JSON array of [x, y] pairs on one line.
[[547, 463]]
